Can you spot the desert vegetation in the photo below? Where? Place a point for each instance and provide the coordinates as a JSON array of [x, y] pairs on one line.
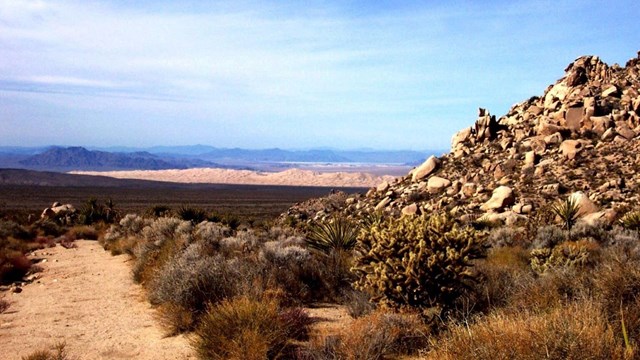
[[429, 286]]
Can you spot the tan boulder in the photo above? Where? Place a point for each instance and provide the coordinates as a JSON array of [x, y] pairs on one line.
[[502, 196], [573, 118], [460, 137], [610, 91], [468, 189], [436, 184], [383, 203], [383, 187], [570, 148], [508, 218], [410, 209], [553, 139], [424, 170], [586, 205]]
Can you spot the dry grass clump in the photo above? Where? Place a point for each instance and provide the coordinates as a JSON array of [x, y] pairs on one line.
[[577, 331], [4, 305], [379, 335], [58, 353], [243, 328], [82, 232]]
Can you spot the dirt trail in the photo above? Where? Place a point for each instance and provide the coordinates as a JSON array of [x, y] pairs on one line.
[[86, 298]]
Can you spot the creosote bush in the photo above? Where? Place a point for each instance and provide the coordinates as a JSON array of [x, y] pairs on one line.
[[419, 262]]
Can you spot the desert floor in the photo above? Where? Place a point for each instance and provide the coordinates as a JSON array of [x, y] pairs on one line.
[[86, 298]]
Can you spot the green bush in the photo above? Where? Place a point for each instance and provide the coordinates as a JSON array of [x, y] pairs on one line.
[[419, 262]]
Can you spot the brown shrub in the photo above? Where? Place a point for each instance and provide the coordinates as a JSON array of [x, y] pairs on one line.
[[4, 305], [13, 266], [242, 328], [380, 334], [82, 232], [59, 353], [577, 331]]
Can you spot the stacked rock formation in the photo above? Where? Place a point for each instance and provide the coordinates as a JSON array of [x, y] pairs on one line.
[[579, 138]]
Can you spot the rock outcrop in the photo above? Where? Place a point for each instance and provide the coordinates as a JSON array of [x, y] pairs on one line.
[[580, 135]]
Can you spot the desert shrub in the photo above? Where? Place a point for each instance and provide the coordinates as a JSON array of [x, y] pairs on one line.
[[242, 328], [504, 270], [231, 221], [577, 331], [157, 211], [85, 232], [188, 213], [59, 353], [192, 280], [379, 335], [4, 305], [164, 238], [616, 288], [124, 236], [596, 232], [358, 304], [244, 242], [337, 234], [210, 234], [12, 229], [14, 265], [417, 261], [296, 322], [631, 220], [49, 228], [294, 270], [93, 211], [548, 236], [568, 254], [506, 236]]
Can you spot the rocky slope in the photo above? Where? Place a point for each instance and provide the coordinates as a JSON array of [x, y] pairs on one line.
[[580, 136]]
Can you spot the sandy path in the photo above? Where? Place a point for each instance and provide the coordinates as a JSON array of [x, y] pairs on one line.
[[85, 297]]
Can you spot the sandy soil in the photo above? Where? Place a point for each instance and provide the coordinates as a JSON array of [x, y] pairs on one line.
[[292, 177], [86, 298]]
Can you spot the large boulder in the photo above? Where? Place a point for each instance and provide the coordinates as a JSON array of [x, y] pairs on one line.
[[570, 148], [586, 205], [426, 169], [437, 184], [501, 197]]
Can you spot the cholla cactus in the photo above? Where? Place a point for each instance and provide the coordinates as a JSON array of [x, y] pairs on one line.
[[417, 261], [568, 254]]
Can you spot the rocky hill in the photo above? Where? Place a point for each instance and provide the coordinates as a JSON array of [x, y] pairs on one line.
[[580, 137]]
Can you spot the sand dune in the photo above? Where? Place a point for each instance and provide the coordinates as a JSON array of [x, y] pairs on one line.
[[292, 177]]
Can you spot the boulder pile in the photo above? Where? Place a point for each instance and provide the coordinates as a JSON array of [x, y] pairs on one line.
[[580, 136]]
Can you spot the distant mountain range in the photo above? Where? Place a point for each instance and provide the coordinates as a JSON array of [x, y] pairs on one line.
[[56, 158]]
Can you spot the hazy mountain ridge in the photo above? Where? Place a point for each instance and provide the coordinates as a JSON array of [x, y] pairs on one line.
[[56, 158]]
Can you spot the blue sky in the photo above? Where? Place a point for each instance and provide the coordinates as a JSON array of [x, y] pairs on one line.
[[288, 74]]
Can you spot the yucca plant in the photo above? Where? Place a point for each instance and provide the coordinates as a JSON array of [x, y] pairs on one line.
[[568, 210], [631, 220], [195, 215], [338, 234]]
